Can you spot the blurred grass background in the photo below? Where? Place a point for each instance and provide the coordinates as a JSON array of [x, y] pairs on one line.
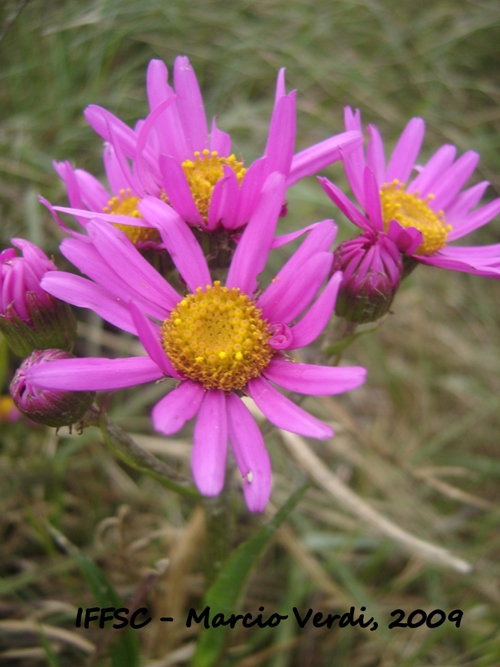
[[419, 441]]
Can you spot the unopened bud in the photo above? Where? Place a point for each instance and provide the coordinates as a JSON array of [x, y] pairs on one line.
[[372, 266], [31, 319], [47, 406]]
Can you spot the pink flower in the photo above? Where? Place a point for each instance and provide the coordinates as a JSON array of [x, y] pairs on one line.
[[423, 213], [218, 342], [172, 155]]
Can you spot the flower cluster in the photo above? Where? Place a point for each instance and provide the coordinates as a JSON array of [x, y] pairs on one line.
[[223, 335]]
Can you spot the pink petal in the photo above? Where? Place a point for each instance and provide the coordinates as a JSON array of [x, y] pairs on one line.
[[128, 263], [175, 409], [435, 167], [224, 201], [312, 160], [375, 157], [373, 206], [190, 104], [477, 219], [318, 316], [219, 141], [284, 300], [280, 86], [102, 120], [250, 454], [177, 190], [150, 337], [251, 187], [106, 217], [283, 413], [61, 224], [354, 162], [281, 140], [450, 183], [464, 265], [284, 239], [314, 380], [116, 178], [457, 213], [179, 241], [406, 152], [147, 169], [251, 254], [407, 239], [351, 212], [84, 293], [93, 374], [157, 86], [208, 460]]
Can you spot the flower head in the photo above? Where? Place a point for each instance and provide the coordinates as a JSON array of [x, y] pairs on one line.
[[422, 209], [29, 317], [218, 342], [372, 269], [52, 408], [172, 155]]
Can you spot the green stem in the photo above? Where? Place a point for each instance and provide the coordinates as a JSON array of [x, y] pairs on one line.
[[218, 520]]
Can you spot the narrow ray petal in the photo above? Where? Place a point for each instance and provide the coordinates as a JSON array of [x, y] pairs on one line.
[[175, 409], [283, 413], [149, 334], [250, 454], [94, 374], [251, 254], [208, 460], [179, 241], [314, 380], [407, 149], [317, 317]]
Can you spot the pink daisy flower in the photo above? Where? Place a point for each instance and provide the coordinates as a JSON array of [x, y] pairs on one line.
[[172, 155], [218, 342], [421, 213]]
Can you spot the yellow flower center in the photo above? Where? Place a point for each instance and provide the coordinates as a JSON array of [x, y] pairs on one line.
[[411, 211], [204, 172], [126, 204], [217, 337]]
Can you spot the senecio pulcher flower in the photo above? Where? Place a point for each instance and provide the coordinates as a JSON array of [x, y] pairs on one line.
[[219, 342], [421, 213], [172, 155]]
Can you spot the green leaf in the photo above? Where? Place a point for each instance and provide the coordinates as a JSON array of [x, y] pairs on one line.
[[223, 596]]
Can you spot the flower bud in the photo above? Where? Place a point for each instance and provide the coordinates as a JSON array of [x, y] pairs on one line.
[[372, 266], [46, 406], [31, 319]]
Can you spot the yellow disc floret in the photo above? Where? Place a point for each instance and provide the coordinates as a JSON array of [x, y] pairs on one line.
[[412, 211], [204, 172], [126, 204], [217, 337]]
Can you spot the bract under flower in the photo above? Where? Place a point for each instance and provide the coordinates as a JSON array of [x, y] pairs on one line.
[[235, 341]]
